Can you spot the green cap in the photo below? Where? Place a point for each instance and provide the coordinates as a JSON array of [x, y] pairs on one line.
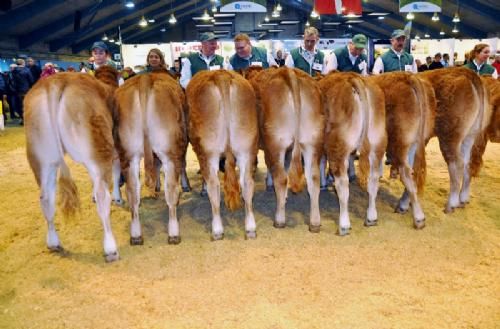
[[207, 36], [398, 33], [359, 41]]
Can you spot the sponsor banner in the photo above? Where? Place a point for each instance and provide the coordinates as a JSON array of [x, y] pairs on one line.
[[251, 6], [426, 6]]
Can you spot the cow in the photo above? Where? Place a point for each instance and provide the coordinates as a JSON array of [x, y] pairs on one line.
[[150, 112], [355, 121], [291, 123], [410, 107], [72, 114], [462, 115], [222, 121]]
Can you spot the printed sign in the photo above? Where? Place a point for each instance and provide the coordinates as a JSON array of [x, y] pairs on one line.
[[426, 6], [253, 6]]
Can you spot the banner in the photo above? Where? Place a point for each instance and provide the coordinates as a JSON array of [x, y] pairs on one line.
[[250, 6], [423, 6], [334, 7]]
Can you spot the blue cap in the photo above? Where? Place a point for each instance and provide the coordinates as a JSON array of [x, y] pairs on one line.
[[99, 45]]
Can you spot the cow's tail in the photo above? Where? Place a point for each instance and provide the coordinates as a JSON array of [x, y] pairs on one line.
[[420, 164], [366, 105], [482, 96], [296, 171], [69, 200], [231, 185]]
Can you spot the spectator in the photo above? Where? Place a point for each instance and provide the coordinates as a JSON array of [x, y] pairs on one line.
[[496, 63], [35, 70], [280, 60], [127, 73], [436, 64], [421, 67], [21, 81], [48, 70], [446, 60]]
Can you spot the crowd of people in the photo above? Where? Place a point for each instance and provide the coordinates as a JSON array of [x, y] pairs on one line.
[[22, 75]]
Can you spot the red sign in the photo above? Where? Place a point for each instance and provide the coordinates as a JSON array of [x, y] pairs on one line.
[[338, 7]]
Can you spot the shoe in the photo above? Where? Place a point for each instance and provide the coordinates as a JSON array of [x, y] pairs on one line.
[[21, 123]]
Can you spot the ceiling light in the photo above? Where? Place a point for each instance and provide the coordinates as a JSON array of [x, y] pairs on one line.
[[118, 42], [290, 22], [435, 17], [314, 13], [143, 22], [278, 7], [455, 29], [266, 18], [381, 17], [223, 23], [354, 21], [275, 14], [259, 25], [331, 23], [410, 16], [129, 4], [172, 20], [456, 18], [442, 32], [111, 39], [225, 15], [205, 16], [349, 26], [308, 24], [163, 29], [377, 14], [352, 15], [152, 20], [214, 1], [417, 37], [214, 8], [427, 35], [276, 30], [204, 25], [104, 37], [269, 24]]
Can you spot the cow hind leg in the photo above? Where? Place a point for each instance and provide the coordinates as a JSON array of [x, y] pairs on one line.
[[247, 185], [466, 150], [277, 164], [213, 189], [312, 175], [117, 195], [342, 188], [171, 187], [103, 203], [373, 181], [134, 198], [48, 180]]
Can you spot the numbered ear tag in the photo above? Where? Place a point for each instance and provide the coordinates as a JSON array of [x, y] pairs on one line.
[[318, 67], [256, 64], [214, 67], [408, 68]]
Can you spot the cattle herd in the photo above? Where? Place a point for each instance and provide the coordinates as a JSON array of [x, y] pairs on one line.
[[295, 119]]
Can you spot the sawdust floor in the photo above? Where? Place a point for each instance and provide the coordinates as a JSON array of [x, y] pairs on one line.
[[389, 276]]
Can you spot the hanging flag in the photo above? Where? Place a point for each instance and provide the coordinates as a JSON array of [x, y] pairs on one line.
[[420, 6], [334, 7]]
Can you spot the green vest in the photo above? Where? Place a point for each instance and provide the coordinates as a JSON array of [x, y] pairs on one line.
[[258, 55], [486, 69], [393, 63], [300, 62], [344, 62], [198, 64]]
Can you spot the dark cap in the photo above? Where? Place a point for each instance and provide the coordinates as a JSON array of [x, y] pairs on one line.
[[99, 45], [207, 36], [398, 33], [359, 41]]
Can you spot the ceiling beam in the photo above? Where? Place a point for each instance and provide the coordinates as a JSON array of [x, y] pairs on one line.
[[480, 9], [19, 15], [42, 33]]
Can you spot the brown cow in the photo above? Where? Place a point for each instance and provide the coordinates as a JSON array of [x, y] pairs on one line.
[[150, 109], [223, 122], [71, 113], [291, 120], [462, 115], [410, 107], [355, 120]]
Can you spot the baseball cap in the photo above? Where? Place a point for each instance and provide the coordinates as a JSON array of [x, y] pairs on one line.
[[207, 36], [398, 33], [359, 41], [100, 45]]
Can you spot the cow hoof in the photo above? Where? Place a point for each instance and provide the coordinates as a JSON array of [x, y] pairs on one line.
[[448, 210], [219, 236], [352, 178], [344, 231], [279, 225], [186, 189], [369, 223], [204, 193], [250, 235], [314, 228], [57, 248], [157, 189], [400, 210], [93, 199], [112, 257], [136, 241], [174, 239], [119, 202], [323, 188], [419, 224], [270, 188]]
